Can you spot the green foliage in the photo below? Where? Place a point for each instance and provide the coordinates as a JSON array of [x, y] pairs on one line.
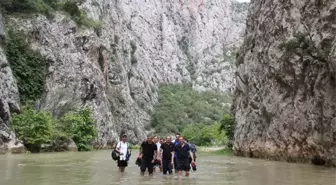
[[38, 127], [32, 127], [205, 135], [227, 152], [72, 8], [11, 6], [78, 126], [179, 105], [28, 6], [78, 15], [300, 41], [48, 7], [28, 66], [303, 45], [134, 147], [227, 124]]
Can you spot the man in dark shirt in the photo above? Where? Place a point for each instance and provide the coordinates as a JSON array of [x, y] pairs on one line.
[[166, 149], [182, 151], [148, 152]]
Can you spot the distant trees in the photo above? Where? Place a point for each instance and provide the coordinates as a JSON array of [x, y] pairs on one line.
[[198, 115]]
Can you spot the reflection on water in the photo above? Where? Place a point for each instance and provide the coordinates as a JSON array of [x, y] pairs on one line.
[[97, 168]]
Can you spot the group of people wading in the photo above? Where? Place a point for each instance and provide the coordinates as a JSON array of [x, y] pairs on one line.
[[166, 155]]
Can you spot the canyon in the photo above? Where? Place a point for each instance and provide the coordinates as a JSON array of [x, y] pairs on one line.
[[115, 70], [285, 96]]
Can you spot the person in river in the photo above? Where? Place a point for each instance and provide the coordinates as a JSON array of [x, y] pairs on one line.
[[193, 151], [124, 152], [176, 142], [147, 154], [182, 151], [166, 149], [158, 162], [177, 135]]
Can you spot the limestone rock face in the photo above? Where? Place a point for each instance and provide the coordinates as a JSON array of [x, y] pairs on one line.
[[9, 100], [116, 70], [285, 95]]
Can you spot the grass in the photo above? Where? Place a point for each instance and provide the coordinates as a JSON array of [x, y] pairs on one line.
[[215, 151], [226, 152], [133, 147]]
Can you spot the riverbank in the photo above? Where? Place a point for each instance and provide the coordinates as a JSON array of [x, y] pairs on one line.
[[210, 148], [215, 150]]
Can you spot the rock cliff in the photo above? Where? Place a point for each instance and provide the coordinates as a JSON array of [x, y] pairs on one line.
[[285, 95], [9, 100], [116, 69]]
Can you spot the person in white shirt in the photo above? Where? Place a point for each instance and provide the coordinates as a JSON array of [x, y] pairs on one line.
[[124, 151], [158, 145]]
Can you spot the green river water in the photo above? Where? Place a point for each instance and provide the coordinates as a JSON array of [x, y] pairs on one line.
[[97, 168]]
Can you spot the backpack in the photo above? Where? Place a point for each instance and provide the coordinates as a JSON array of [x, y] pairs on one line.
[[115, 154], [192, 148]]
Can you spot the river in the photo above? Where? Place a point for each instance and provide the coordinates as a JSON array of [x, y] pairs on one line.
[[97, 168]]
